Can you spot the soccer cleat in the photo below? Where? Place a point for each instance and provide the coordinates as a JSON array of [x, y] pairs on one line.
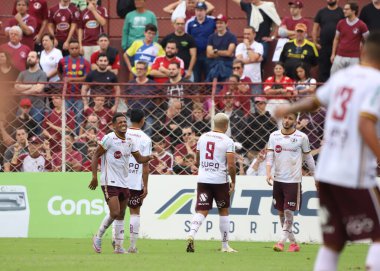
[[228, 249], [190, 244], [294, 247], [278, 247], [120, 250], [97, 244], [132, 250]]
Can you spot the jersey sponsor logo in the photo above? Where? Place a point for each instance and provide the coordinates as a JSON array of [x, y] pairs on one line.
[[133, 168], [117, 154], [278, 149], [37, 5], [209, 166], [92, 24], [63, 26], [58, 206]]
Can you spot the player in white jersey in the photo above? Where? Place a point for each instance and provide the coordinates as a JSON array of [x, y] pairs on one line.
[[114, 150], [287, 148], [346, 169], [216, 160], [137, 180]]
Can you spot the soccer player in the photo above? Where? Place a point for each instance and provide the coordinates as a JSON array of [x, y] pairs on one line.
[[346, 170], [114, 151], [286, 149], [137, 180], [216, 160]]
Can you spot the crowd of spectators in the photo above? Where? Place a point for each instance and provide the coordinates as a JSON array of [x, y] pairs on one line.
[[66, 42]]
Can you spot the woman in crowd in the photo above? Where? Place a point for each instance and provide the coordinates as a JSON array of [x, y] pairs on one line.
[[305, 84], [49, 58]]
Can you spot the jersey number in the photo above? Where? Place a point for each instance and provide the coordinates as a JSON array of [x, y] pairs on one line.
[[210, 148], [343, 97]]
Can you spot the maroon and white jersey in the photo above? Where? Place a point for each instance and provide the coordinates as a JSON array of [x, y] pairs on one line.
[[167, 158], [62, 18], [104, 115], [26, 163], [31, 22], [144, 146], [19, 54], [351, 35], [91, 27], [288, 155], [345, 159], [213, 148], [115, 161], [38, 9], [290, 23]]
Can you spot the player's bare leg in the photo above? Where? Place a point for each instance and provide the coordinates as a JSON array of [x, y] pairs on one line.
[[373, 259], [287, 233], [195, 225], [224, 227], [119, 227], [134, 227], [327, 258]]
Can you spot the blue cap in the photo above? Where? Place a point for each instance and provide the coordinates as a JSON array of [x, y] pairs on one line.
[[201, 5]]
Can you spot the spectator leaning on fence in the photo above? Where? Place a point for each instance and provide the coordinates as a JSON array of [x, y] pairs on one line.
[[112, 53], [163, 161], [143, 49], [29, 82], [17, 51], [187, 49], [39, 10], [135, 22], [21, 145], [62, 24], [91, 23], [25, 21]]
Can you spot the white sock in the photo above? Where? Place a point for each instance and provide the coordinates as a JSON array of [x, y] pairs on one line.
[[287, 228], [107, 221], [327, 260], [134, 227], [224, 226], [196, 223], [373, 257], [119, 233]]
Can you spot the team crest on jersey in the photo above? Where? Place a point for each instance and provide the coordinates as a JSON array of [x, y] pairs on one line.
[[278, 149], [86, 17], [117, 154], [293, 140], [23, 54], [355, 30], [37, 5]]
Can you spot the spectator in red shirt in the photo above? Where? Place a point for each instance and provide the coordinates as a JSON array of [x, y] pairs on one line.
[[63, 21], [74, 68], [52, 125], [92, 21], [350, 32], [39, 10], [112, 53], [90, 130], [18, 51], [25, 21], [163, 161], [73, 157], [104, 114], [288, 23], [160, 71]]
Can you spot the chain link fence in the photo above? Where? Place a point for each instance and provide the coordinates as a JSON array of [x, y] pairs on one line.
[[68, 126]]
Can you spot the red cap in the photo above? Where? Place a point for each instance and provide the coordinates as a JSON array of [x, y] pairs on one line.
[[221, 17], [298, 3], [25, 102]]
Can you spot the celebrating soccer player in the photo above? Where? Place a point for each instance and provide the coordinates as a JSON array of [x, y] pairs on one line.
[[114, 151], [216, 160], [348, 191], [286, 149]]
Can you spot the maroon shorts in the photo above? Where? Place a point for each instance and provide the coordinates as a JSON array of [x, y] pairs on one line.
[[287, 196], [206, 193], [114, 191], [348, 214], [135, 198]]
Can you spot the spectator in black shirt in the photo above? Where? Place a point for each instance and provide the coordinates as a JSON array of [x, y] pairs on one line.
[[101, 75], [370, 14]]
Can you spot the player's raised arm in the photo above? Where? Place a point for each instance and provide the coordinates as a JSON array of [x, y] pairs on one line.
[[305, 105], [142, 159], [94, 167]]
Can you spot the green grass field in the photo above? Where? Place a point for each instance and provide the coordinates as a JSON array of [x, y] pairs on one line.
[[77, 254]]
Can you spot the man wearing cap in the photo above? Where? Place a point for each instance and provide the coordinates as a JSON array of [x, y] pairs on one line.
[[37, 160], [298, 51], [220, 51], [200, 27], [288, 24], [23, 86], [24, 119]]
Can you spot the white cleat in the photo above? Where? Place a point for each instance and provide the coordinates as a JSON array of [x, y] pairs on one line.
[[229, 249]]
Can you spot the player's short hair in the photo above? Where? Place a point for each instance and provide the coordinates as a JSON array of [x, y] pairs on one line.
[[117, 115], [295, 114], [102, 55], [103, 35], [151, 27], [372, 46], [137, 115], [221, 119], [158, 138]]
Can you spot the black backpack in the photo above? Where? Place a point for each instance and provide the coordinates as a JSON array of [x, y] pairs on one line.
[[124, 6]]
